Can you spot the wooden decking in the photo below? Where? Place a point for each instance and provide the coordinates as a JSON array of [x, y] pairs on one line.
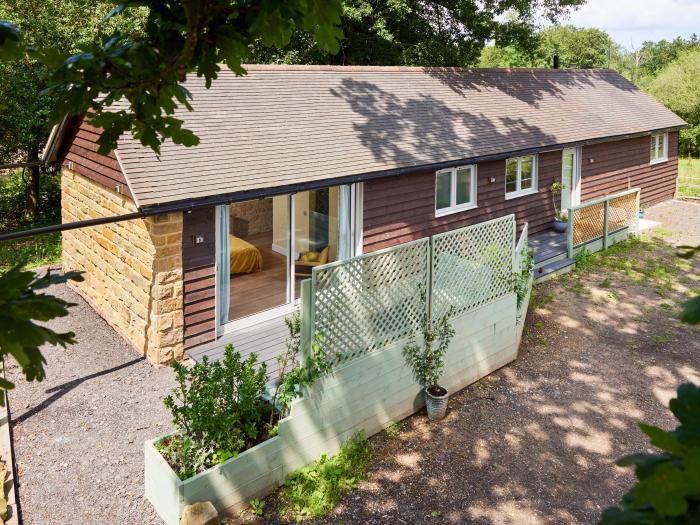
[[547, 244], [266, 339]]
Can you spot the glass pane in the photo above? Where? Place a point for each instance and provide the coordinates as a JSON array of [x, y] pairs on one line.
[[443, 186], [567, 174], [654, 148], [316, 232], [464, 186], [511, 175], [526, 167], [258, 245]]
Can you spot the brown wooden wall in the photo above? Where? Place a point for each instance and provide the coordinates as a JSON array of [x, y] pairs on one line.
[[401, 209], [611, 167], [199, 276], [80, 148]]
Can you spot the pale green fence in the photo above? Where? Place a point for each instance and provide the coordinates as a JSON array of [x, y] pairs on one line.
[[373, 300], [593, 223], [472, 266]]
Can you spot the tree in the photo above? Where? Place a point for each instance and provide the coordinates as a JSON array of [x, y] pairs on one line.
[[25, 111], [578, 47], [416, 33], [147, 69], [21, 304], [678, 87]]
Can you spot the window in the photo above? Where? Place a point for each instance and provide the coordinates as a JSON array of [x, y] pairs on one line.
[[521, 176], [455, 190], [659, 147]]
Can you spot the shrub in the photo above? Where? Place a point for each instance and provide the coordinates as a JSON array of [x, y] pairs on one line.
[[668, 487], [313, 491], [427, 360], [217, 412], [296, 373]]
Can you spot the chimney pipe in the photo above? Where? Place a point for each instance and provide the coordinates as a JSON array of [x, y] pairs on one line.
[[555, 63]]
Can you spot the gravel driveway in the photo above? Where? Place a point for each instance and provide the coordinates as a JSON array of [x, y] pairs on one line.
[[79, 434]]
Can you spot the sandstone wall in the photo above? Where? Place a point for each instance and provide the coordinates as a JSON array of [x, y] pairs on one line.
[[133, 269]]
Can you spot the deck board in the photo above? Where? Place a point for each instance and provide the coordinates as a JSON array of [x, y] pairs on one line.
[[266, 339], [547, 244]]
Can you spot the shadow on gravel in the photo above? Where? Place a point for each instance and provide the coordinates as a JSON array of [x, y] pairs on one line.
[[63, 389]]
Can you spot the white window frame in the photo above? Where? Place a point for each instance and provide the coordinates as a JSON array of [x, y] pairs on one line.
[[454, 207], [518, 192], [664, 145]]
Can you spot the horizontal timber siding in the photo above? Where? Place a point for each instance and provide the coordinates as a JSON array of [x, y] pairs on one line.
[[402, 209], [81, 150], [611, 167], [199, 276]]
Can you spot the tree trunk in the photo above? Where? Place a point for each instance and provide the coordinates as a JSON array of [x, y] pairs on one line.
[[33, 183]]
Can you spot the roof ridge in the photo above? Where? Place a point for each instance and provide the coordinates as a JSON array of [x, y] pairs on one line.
[[410, 69]]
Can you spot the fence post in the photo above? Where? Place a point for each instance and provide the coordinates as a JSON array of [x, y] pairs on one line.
[[429, 279], [570, 234], [606, 228], [636, 215], [307, 316]]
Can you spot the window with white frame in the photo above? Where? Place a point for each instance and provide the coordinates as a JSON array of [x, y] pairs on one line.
[[659, 147], [455, 189], [521, 176]]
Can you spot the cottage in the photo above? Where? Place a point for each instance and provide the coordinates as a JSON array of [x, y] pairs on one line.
[[303, 165]]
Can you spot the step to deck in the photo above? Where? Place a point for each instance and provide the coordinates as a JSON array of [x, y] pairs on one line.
[[542, 262], [552, 269]]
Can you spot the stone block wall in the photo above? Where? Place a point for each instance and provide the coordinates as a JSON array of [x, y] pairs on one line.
[[132, 269]]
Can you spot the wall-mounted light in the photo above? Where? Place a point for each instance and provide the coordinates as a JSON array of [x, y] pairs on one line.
[[493, 179], [198, 239], [118, 187]]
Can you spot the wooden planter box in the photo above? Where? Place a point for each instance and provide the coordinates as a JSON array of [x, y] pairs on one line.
[[229, 485]]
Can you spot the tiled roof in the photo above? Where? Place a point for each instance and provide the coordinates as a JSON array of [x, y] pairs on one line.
[[286, 125]]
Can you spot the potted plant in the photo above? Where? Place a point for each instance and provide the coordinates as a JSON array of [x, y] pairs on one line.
[[428, 359], [561, 217]]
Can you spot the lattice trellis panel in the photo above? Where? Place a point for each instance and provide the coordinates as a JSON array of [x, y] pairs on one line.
[[622, 212], [589, 223], [370, 301], [472, 266]]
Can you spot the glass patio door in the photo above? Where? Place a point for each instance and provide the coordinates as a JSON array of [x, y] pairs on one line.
[[570, 178], [266, 247]]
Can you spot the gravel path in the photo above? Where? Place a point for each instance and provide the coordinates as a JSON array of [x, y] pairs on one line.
[[79, 434]]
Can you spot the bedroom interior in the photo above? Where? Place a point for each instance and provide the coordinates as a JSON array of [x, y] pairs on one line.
[[261, 262]]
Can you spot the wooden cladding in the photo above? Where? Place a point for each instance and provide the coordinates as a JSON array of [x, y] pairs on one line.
[[199, 276], [80, 150], [611, 167], [392, 216]]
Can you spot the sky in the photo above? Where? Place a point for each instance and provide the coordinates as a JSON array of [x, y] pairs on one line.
[[631, 22]]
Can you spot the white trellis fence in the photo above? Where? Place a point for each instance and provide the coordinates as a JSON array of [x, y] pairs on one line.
[[370, 301]]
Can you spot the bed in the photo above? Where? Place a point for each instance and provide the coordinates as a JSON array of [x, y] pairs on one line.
[[244, 257]]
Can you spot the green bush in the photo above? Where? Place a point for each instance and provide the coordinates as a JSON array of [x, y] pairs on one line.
[[217, 411], [313, 491], [668, 488], [13, 201]]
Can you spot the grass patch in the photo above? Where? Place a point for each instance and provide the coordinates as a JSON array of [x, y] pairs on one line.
[[662, 339], [37, 251], [689, 177], [313, 491], [605, 283], [392, 430]]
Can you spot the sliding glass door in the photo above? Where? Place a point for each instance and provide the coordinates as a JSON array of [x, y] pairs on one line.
[[266, 247]]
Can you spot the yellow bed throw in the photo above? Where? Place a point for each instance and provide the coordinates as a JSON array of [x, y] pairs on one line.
[[245, 258]]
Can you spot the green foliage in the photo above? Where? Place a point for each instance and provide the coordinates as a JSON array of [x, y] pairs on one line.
[[22, 302], [145, 69], [678, 87], [392, 429], [691, 308], [556, 188], [668, 488], [217, 411], [411, 32], [13, 198], [585, 260], [521, 279], [427, 360], [257, 506], [297, 372], [313, 491]]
